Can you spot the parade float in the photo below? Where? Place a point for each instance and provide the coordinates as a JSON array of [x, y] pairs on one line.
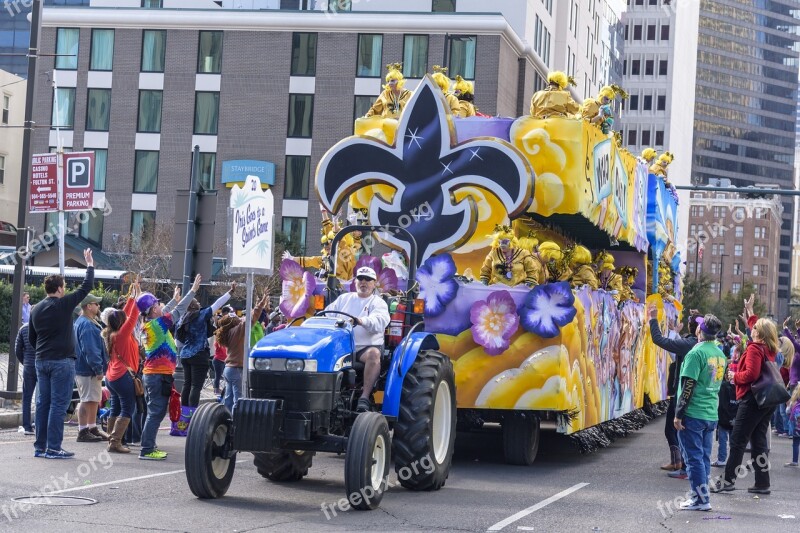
[[540, 242]]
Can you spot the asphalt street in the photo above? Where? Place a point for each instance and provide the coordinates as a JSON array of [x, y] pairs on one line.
[[618, 489]]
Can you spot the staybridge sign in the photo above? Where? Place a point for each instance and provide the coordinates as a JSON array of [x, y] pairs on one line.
[[236, 172]]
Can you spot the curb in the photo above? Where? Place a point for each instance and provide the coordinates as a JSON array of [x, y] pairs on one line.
[[10, 420]]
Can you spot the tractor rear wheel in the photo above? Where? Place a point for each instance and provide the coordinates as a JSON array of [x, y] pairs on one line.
[[284, 465], [425, 431]]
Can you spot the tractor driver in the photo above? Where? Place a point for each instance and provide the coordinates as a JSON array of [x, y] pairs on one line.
[[372, 317]]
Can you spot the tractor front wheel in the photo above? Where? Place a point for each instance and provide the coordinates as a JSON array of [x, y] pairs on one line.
[[208, 471], [366, 465]]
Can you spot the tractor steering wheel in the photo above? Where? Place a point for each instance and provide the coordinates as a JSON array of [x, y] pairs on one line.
[[325, 312]]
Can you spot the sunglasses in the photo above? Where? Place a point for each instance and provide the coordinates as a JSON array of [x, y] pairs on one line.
[[364, 278]]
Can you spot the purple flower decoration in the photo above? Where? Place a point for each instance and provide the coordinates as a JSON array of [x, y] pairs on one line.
[[548, 308], [298, 286], [437, 283], [494, 321], [387, 277]]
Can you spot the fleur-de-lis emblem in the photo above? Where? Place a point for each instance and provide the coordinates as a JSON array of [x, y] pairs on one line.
[[426, 166]]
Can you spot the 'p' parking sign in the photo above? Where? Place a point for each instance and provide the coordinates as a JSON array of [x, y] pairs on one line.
[[78, 181]]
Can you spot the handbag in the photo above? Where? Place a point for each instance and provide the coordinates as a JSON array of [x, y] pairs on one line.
[[769, 390], [138, 386]]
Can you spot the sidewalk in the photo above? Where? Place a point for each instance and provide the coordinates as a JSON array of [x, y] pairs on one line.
[[11, 410]]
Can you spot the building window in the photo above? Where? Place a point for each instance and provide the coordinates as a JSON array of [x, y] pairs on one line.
[[663, 67], [714, 249], [692, 229], [149, 112], [2, 169], [208, 162], [102, 52], [142, 225], [340, 6], [206, 113], [714, 268], [98, 109], [661, 102], [636, 67], [647, 102], [362, 105], [736, 288], [154, 47], [92, 228], [690, 268], [444, 6], [295, 229], [633, 104], [739, 232], [100, 168], [737, 269], [462, 56], [298, 170], [649, 67], [301, 115], [304, 54], [665, 32], [645, 137], [6, 108], [145, 179], [370, 52], [760, 233], [632, 138], [637, 32], [651, 32], [67, 48], [209, 52], [415, 56], [718, 212], [63, 107], [152, 3], [756, 271], [713, 287], [737, 250], [659, 138]]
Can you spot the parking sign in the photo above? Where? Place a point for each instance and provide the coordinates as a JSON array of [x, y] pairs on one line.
[[78, 181]]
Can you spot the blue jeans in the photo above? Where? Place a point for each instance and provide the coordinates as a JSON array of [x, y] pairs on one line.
[[219, 369], [56, 380], [697, 438], [157, 403], [123, 396], [28, 384], [722, 450], [779, 420], [233, 376]]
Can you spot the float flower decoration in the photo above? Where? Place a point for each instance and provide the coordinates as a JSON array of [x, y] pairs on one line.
[[437, 283], [547, 308], [298, 286], [494, 321], [387, 277]]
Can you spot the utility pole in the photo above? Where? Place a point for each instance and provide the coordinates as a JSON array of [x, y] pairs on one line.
[[23, 244]]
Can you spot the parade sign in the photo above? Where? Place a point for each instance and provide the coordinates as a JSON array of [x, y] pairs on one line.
[[250, 228], [44, 183]]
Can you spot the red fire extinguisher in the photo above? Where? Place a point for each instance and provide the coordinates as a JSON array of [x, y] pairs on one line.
[[396, 322]]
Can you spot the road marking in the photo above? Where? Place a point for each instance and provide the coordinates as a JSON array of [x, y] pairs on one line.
[[525, 512], [126, 480]]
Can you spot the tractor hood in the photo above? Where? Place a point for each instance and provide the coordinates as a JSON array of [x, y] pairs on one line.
[[316, 341]]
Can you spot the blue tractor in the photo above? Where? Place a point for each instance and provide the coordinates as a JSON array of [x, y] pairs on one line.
[[303, 391]]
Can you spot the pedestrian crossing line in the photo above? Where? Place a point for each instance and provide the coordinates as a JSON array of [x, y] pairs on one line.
[[533, 508], [126, 480]]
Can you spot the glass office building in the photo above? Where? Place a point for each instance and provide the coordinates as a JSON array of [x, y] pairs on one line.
[[15, 32], [746, 97]]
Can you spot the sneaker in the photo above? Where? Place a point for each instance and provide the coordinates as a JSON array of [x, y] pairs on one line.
[[24, 431], [678, 474], [791, 464], [58, 454], [155, 455], [718, 463], [364, 405], [691, 505], [720, 485], [757, 490], [39, 453]]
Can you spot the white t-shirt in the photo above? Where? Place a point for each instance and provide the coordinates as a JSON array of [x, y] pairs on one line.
[[373, 313]]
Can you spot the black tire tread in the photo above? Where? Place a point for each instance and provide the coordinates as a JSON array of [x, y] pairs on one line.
[[412, 431], [197, 454], [521, 438], [359, 452], [283, 466]]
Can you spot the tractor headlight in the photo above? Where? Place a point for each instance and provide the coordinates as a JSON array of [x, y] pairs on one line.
[[262, 364], [295, 365]]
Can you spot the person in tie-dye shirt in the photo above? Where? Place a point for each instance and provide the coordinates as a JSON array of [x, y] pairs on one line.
[[161, 358]]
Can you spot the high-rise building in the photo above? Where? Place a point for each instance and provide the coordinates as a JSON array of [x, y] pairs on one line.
[[745, 103], [279, 86]]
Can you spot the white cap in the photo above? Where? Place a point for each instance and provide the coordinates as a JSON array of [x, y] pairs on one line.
[[366, 271]]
